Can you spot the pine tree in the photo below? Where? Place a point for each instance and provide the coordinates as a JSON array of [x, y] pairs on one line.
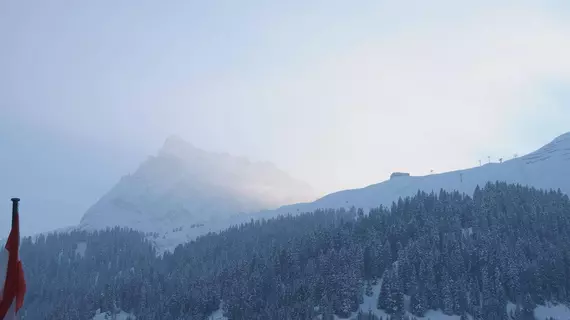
[[418, 304], [446, 294], [527, 311], [368, 290], [385, 289], [395, 303]]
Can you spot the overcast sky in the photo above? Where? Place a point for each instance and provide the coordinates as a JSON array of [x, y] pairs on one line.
[[337, 93]]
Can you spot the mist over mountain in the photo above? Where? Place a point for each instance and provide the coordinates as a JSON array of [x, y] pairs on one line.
[[185, 186]]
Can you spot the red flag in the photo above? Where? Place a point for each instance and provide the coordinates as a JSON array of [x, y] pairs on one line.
[[12, 295]]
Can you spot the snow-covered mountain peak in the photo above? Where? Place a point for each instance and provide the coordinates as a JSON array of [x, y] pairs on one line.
[[183, 186]]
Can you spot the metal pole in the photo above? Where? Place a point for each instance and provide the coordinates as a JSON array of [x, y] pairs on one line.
[[15, 203]]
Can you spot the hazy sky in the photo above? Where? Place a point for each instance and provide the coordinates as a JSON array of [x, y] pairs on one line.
[[337, 93]]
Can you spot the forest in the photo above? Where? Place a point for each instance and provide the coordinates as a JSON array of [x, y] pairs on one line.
[[466, 255]]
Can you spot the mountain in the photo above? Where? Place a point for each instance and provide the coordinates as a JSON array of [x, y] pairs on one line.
[[184, 187], [546, 168], [161, 197]]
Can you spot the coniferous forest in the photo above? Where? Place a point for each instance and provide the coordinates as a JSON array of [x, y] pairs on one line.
[[466, 255]]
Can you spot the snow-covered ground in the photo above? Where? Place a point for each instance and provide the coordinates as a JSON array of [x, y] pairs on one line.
[[218, 314], [555, 311], [369, 304], [548, 311], [108, 316], [80, 250]]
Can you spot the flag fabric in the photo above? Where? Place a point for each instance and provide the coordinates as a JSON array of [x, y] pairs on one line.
[[11, 273]]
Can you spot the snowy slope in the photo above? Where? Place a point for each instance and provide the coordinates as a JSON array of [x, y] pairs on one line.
[[548, 167], [186, 188]]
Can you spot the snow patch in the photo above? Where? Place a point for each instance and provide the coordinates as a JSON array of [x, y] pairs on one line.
[[109, 316], [511, 307], [550, 310], [80, 250], [438, 315], [218, 314], [466, 232]]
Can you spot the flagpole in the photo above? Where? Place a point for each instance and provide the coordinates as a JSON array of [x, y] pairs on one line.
[[15, 203], [16, 216]]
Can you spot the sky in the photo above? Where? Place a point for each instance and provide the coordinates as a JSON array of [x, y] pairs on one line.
[[338, 94]]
